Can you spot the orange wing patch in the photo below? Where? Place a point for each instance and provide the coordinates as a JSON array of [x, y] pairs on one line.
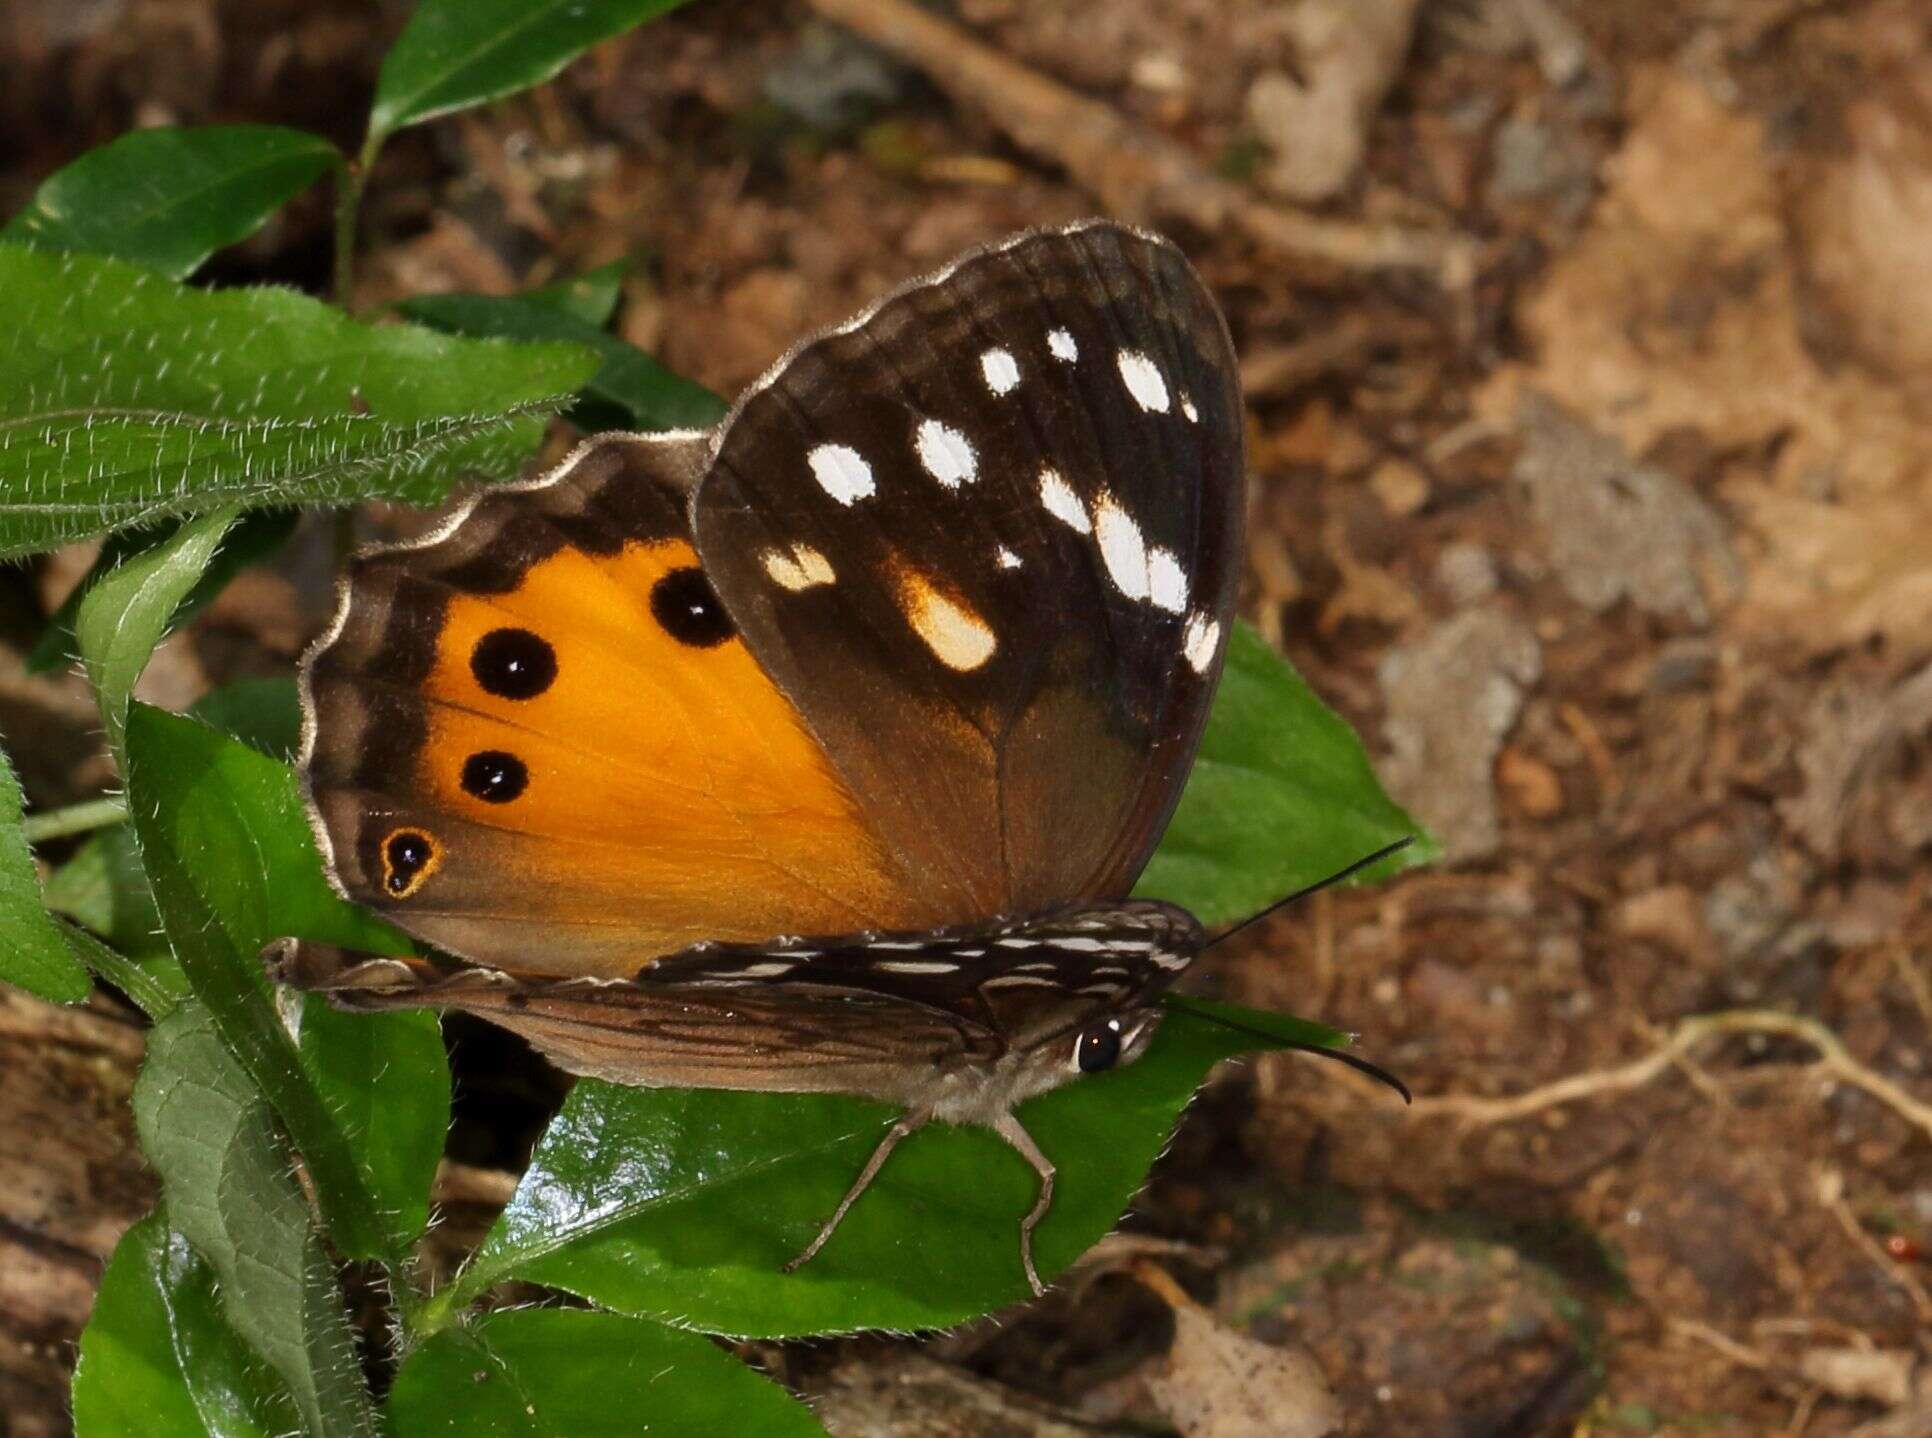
[[605, 713], [537, 741]]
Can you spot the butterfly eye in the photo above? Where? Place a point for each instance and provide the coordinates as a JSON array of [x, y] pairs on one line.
[[1098, 1048]]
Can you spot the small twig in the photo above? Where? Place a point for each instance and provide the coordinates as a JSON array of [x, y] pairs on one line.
[[1282, 369], [1136, 173], [1917, 984], [1738, 1353], [1831, 1194], [1577, 721], [1833, 1058]]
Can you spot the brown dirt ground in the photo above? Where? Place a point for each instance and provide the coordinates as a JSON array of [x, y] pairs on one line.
[[1619, 557]]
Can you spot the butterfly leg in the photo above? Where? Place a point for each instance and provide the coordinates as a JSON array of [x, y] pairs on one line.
[[1009, 1129], [908, 1123]]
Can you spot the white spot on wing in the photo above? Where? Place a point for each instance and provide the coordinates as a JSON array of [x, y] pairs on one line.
[[1008, 559], [1188, 409], [946, 454], [841, 472], [1062, 345], [799, 567], [915, 966], [1062, 503], [1143, 381], [1166, 581], [1199, 639], [958, 638], [1002, 371], [1121, 547], [764, 970]]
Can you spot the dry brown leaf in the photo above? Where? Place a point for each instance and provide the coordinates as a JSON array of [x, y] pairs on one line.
[[1618, 529], [1453, 694], [1349, 53], [1218, 1383], [1683, 307]]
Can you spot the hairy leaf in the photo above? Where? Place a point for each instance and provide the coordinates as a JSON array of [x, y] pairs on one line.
[[126, 399]]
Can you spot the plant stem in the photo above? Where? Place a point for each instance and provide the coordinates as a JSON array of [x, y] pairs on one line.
[[350, 177], [147, 992], [74, 819]]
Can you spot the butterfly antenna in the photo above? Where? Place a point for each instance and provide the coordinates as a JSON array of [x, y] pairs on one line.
[[1354, 1061], [1335, 878]]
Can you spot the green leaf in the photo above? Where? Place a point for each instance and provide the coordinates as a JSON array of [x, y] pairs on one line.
[[265, 714], [232, 864], [103, 887], [126, 399], [158, 1358], [457, 53], [126, 613], [630, 388], [228, 1188], [385, 1079], [682, 1204], [590, 297], [566, 1373], [254, 538], [237, 818], [1281, 796], [169, 198], [33, 953]]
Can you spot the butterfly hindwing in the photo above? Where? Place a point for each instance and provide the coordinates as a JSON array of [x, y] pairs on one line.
[[539, 742], [986, 539]]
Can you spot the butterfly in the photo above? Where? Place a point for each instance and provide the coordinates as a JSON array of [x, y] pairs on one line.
[[818, 751]]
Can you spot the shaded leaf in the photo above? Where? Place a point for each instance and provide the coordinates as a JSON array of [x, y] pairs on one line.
[[168, 198], [629, 390], [683, 1204], [548, 1373], [33, 953], [158, 1358], [457, 53], [126, 399], [1281, 796], [103, 888], [265, 714], [228, 1188], [126, 613], [590, 297], [385, 1079]]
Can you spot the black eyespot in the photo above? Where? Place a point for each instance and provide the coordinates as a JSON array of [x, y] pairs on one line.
[[513, 664], [1099, 1047], [495, 777], [689, 609], [408, 856]]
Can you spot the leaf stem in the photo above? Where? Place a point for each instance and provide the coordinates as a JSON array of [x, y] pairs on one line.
[[110, 966], [350, 177], [74, 819]]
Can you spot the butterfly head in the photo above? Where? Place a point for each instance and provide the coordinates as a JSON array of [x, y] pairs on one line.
[[1050, 999]]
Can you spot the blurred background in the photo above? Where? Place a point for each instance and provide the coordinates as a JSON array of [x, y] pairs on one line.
[[1588, 351]]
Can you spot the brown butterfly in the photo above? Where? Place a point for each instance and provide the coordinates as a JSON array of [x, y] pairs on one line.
[[818, 751]]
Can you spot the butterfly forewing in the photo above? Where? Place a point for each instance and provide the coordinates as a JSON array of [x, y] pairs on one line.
[[985, 540]]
